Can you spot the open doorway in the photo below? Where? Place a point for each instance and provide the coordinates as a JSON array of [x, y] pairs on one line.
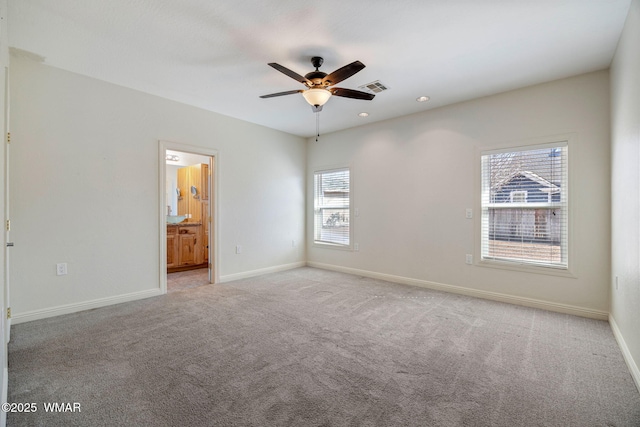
[[187, 190]]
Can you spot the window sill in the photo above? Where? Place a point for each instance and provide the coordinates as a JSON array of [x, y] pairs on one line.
[[527, 268], [326, 245]]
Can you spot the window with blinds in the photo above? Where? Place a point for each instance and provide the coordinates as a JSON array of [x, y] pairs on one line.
[[332, 207], [525, 206]]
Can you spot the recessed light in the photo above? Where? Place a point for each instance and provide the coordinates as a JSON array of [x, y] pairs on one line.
[[363, 114], [422, 98]]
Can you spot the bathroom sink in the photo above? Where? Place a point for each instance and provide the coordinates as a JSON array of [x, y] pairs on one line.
[[175, 219]]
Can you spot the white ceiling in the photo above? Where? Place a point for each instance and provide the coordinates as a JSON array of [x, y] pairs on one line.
[[213, 54]]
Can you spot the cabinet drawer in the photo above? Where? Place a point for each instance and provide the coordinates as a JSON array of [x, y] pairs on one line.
[[188, 230]]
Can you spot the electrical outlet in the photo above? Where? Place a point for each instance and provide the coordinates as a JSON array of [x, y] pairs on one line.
[[61, 269], [238, 249], [356, 247], [469, 213], [469, 259]]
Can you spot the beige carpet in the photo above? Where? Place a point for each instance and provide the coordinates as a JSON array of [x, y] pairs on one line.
[[184, 280], [309, 347]]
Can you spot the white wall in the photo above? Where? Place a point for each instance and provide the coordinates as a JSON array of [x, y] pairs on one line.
[[625, 231], [84, 189], [414, 176]]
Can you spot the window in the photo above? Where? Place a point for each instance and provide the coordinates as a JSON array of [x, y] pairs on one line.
[[525, 206], [518, 196], [332, 207]]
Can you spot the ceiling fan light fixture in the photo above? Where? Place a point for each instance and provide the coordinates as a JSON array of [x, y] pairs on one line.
[[316, 97]]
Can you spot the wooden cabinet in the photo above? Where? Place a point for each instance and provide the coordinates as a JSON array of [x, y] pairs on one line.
[[172, 246], [205, 231], [184, 247], [190, 179], [204, 181], [187, 243]]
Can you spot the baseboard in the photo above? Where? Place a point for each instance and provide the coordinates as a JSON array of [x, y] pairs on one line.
[[495, 296], [253, 273], [81, 306], [626, 354], [103, 302]]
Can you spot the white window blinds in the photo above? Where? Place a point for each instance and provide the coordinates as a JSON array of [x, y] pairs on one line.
[[332, 207], [525, 206]]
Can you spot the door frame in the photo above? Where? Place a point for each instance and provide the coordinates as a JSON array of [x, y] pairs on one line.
[[163, 146], [6, 301], [5, 318]]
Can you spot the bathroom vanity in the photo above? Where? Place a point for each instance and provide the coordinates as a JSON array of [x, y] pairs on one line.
[[186, 246]]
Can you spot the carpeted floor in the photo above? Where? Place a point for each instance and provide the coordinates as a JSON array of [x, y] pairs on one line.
[[183, 280], [308, 347]]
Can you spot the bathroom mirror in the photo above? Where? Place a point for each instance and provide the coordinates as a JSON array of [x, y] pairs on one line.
[[185, 187]]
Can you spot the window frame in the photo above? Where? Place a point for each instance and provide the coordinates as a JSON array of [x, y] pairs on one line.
[[524, 266], [332, 245]]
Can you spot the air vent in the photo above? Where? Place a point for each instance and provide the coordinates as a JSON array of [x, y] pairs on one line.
[[374, 87]]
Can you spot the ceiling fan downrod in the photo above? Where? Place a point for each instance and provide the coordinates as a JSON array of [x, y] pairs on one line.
[[317, 61]]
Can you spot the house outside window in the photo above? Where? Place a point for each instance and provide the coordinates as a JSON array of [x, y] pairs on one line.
[[525, 206], [332, 207]]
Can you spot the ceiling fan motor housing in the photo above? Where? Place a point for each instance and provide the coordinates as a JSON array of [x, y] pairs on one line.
[[316, 77]]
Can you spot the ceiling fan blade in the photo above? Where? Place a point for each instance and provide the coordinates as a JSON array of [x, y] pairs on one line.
[[288, 72], [316, 108], [343, 73], [289, 92], [350, 93]]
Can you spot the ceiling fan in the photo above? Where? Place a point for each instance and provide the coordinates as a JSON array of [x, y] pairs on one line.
[[319, 84]]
